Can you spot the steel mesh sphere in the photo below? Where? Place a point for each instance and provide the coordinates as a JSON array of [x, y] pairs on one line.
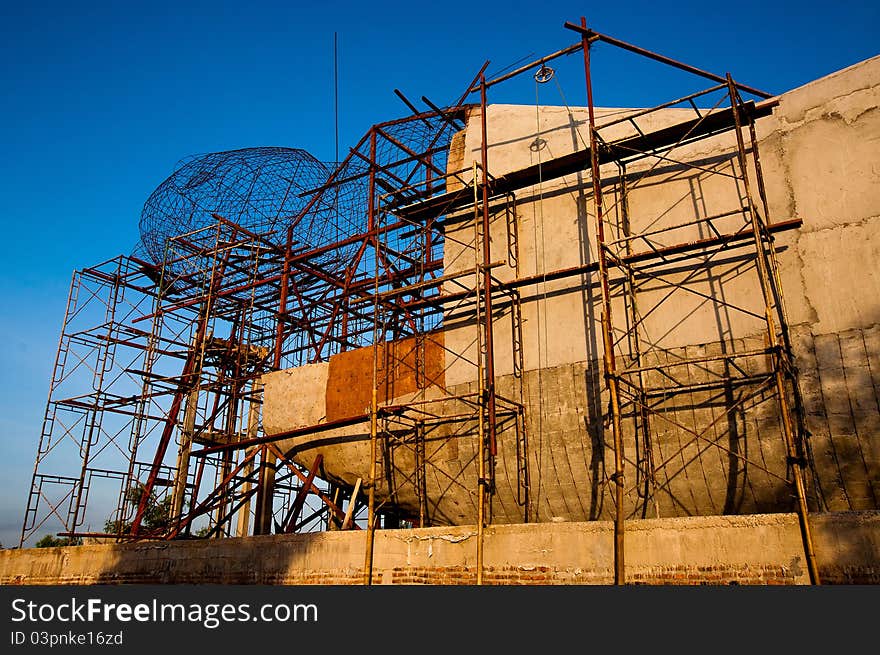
[[260, 189]]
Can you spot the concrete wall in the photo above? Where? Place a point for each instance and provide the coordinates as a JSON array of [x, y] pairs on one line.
[[819, 157], [756, 550], [821, 164]]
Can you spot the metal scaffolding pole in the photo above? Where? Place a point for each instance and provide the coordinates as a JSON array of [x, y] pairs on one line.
[[611, 378], [781, 354]]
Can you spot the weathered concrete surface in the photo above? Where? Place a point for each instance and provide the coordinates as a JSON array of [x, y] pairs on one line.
[[341, 390], [821, 163], [295, 397], [757, 549], [819, 154]]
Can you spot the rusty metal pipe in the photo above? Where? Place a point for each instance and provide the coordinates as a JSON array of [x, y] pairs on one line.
[[607, 336], [591, 35]]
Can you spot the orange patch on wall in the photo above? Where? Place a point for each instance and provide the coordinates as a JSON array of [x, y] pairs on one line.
[[404, 366]]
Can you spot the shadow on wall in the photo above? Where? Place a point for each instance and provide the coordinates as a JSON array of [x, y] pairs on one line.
[[721, 450], [847, 546], [700, 417]]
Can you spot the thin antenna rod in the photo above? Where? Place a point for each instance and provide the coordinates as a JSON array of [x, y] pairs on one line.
[[336, 133]]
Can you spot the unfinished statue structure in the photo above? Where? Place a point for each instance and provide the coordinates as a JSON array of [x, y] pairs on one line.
[[492, 313]]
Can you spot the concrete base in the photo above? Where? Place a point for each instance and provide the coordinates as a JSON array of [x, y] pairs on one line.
[[758, 549]]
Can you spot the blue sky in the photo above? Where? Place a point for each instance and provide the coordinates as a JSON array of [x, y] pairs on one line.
[[101, 100]]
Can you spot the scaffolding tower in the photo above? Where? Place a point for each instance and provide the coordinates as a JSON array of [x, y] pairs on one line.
[[164, 360]]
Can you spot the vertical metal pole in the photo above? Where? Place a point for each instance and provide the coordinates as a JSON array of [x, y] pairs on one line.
[[374, 397], [487, 455], [607, 335], [481, 495], [640, 415], [244, 512], [253, 426], [421, 473], [487, 284], [57, 374], [265, 492], [795, 459], [481, 440], [226, 466], [189, 424], [282, 302]]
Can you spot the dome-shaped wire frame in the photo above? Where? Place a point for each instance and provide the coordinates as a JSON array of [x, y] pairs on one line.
[[261, 189]]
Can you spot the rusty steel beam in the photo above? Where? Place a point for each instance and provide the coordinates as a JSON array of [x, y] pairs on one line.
[[487, 281], [217, 494], [611, 378], [522, 69], [448, 117], [281, 436], [419, 157], [329, 503], [575, 162], [292, 517], [259, 238], [590, 36], [734, 240], [411, 106], [282, 300]]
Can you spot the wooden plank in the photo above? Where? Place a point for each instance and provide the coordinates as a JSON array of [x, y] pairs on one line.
[[349, 512]]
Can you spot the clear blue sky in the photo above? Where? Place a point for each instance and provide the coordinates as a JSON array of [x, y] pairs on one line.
[[101, 100]]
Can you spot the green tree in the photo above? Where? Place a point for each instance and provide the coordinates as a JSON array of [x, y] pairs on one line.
[[157, 513], [49, 541]]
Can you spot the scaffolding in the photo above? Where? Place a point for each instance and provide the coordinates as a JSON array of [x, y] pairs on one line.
[[409, 245]]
